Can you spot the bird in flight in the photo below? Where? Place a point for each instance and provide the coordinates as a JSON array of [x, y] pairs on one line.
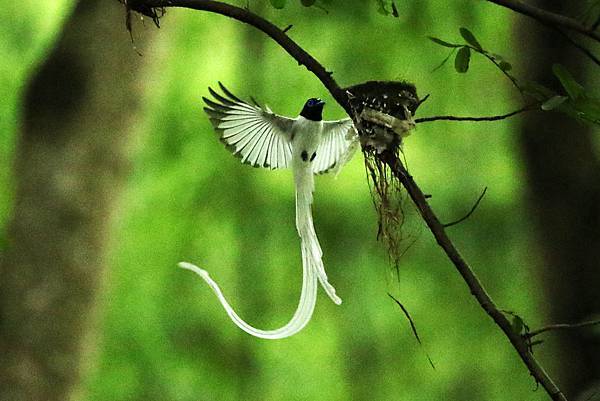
[[306, 144]]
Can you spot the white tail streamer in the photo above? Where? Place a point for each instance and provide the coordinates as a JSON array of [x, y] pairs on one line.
[[301, 317], [312, 268], [304, 180]]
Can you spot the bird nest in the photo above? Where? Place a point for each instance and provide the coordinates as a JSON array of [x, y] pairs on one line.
[[383, 112]]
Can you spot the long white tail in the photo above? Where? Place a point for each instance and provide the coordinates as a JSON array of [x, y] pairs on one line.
[[301, 317], [312, 268], [311, 249]]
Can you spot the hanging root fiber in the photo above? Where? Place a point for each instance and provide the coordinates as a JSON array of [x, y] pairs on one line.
[[384, 112], [154, 13]]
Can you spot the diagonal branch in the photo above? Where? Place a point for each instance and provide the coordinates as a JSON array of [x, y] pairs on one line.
[[548, 18], [469, 276], [278, 35], [398, 169]]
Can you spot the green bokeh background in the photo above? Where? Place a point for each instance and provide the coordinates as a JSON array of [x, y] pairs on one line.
[[162, 335]]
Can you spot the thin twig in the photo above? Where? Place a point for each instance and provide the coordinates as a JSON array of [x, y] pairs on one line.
[[412, 326], [440, 65], [456, 118], [561, 326], [513, 80], [305, 59], [470, 212], [547, 17], [552, 24]]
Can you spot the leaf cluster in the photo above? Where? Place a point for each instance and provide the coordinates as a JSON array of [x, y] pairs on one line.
[[575, 101], [463, 55]]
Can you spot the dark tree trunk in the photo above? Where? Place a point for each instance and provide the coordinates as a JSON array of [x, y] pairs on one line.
[[69, 165], [563, 174]]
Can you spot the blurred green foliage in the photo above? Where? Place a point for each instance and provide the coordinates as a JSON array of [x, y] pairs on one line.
[[163, 334], [577, 104]]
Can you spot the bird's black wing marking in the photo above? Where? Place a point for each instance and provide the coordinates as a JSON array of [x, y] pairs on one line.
[[259, 137]]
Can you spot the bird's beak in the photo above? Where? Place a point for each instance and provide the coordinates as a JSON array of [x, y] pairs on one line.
[[321, 102]]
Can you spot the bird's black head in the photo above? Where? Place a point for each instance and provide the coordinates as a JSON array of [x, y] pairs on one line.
[[313, 109]]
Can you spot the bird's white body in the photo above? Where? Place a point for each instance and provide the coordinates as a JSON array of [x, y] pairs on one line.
[[306, 142], [306, 136], [309, 147]]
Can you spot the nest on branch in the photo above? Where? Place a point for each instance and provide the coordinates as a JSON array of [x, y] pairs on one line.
[[383, 112]]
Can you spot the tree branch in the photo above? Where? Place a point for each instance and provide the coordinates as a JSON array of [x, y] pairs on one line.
[[469, 276], [547, 17], [561, 326], [398, 169], [274, 32], [470, 211], [455, 118]]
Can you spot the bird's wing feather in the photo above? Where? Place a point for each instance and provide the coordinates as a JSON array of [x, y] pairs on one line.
[[259, 137], [337, 145]]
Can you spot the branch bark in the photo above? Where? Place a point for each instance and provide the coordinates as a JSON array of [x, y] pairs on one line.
[[278, 35], [548, 18], [471, 279], [417, 196], [476, 119], [561, 326]]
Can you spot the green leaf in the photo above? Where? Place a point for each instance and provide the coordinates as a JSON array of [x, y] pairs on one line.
[[470, 38], [537, 91], [553, 102], [308, 3], [505, 66], [279, 4], [461, 62], [442, 42], [573, 88]]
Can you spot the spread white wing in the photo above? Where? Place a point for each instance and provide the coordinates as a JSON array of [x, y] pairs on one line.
[[259, 137], [339, 142], [264, 139]]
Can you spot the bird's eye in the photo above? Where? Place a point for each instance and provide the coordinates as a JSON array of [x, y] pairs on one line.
[[311, 102]]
